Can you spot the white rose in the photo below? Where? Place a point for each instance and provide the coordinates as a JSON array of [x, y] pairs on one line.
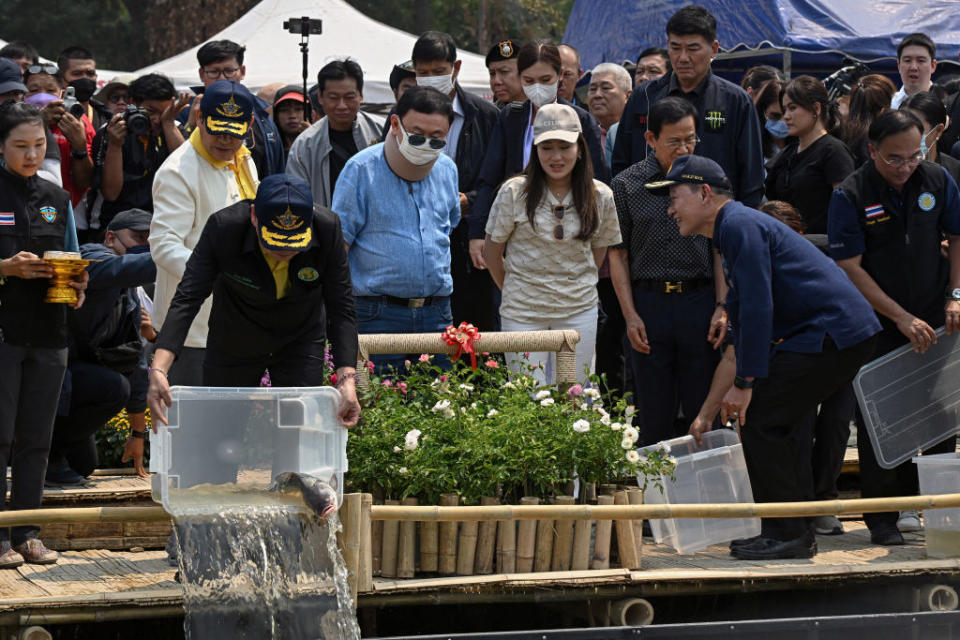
[[631, 433], [581, 426], [605, 419], [402, 471], [441, 406], [492, 413], [546, 402], [633, 457], [626, 443], [542, 394], [467, 387], [616, 426], [591, 393], [397, 449]]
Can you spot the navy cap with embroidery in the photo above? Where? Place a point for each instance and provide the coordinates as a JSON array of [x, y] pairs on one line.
[[284, 210], [692, 170], [504, 50], [227, 108]]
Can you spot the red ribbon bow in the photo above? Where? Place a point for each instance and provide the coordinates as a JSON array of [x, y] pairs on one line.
[[464, 337]]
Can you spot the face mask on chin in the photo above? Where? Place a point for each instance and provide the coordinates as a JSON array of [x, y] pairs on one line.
[[541, 94], [443, 84]]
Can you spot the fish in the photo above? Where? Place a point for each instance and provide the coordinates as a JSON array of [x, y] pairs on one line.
[[318, 495]]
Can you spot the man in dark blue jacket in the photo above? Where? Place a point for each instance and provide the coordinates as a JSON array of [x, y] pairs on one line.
[[800, 329], [107, 368], [728, 129]]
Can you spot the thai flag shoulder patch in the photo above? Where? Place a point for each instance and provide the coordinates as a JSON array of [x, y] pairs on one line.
[[7, 220]]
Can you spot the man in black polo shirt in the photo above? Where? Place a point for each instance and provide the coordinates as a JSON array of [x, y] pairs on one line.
[[272, 267], [668, 285], [885, 224], [728, 126], [125, 161]]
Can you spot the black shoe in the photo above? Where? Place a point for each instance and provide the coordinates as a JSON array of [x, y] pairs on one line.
[[770, 549], [886, 535], [741, 542], [61, 475], [647, 531]]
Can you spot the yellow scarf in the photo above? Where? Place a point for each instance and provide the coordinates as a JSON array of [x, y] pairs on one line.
[[245, 181]]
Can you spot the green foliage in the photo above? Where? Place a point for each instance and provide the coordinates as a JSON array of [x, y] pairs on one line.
[[487, 432], [112, 29], [520, 19]]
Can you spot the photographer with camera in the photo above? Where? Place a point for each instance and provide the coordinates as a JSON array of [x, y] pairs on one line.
[[133, 145]]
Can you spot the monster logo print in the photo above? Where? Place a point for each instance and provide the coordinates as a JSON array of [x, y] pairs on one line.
[[715, 120]]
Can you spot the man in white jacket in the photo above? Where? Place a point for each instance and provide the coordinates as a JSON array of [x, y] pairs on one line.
[[213, 171]]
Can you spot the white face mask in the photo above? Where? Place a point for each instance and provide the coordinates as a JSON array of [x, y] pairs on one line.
[[443, 84], [541, 94], [417, 155]]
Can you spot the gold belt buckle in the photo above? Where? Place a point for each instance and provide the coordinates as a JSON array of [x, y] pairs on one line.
[[673, 287], [416, 303]]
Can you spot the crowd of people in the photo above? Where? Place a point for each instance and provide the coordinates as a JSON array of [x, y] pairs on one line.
[[725, 252]]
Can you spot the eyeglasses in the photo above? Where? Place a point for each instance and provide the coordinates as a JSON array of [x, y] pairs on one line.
[[689, 143], [897, 162], [558, 211], [50, 69], [213, 74], [117, 98]]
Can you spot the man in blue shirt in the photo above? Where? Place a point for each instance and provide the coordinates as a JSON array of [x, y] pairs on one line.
[[886, 222], [398, 202], [800, 331]]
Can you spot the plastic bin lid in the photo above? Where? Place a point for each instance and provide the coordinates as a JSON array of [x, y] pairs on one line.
[[910, 401]]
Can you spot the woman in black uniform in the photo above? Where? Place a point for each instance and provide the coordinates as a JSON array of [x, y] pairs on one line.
[[35, 217]]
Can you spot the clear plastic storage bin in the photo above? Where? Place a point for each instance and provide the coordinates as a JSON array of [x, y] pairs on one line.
[[224, 446], [910, 401], [714, 472], [940, 474]]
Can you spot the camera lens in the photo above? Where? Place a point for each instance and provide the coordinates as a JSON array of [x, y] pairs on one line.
[[77, 110]]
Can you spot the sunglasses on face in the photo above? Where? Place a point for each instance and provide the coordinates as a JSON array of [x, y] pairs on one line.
[[418, 140]]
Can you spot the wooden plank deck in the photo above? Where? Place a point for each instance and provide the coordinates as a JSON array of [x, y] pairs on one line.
[[113, 488], [98, 579]]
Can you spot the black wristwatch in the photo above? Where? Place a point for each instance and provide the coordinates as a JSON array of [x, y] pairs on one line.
[[78, 155], [138, 434], [742, 383]]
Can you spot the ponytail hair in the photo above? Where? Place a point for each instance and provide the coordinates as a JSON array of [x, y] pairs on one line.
[[807, 92]]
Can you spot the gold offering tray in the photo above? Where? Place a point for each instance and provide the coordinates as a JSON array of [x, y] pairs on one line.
[[67, 266]]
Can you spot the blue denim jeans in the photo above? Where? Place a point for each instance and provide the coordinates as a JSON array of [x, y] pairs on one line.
[[377, 316]]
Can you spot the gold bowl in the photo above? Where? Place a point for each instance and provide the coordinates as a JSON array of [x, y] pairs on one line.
[[67, 265]]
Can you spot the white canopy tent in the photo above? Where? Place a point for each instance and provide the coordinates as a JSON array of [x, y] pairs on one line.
[[273, 54]]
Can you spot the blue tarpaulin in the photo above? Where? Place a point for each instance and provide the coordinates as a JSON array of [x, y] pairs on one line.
[[819, 34]]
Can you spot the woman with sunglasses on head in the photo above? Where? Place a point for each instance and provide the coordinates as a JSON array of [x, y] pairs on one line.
[[511, 143], [933, 115], [36, 217], [809, 168], [555, 223]]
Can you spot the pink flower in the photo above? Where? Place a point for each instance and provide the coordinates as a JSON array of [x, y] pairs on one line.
[[443, 378], [387, 383], [370, 366], [402, 386], [492, 364], [526, 354], [575, 391], [406, 363], [424, 357]]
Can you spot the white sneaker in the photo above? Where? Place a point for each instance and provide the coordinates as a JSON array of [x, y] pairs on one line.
[[909, 521]]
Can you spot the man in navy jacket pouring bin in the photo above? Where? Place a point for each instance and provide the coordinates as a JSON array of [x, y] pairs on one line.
[[800, 331]]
